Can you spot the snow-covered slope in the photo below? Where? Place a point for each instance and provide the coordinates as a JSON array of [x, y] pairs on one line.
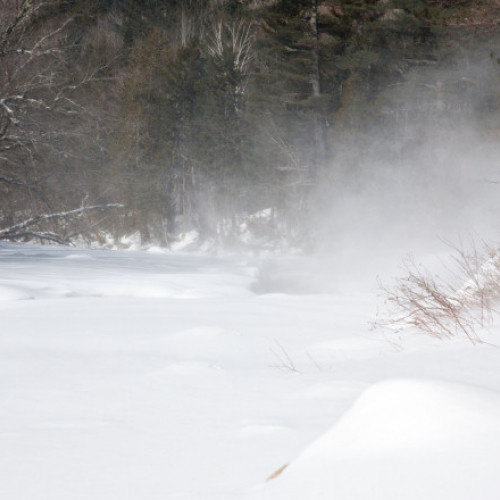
[[156, 376], [408, 439]]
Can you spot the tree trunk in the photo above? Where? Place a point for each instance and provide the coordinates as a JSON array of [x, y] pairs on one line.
[[319, 129]]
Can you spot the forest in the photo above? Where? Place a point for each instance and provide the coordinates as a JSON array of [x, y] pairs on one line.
[[158, 117]]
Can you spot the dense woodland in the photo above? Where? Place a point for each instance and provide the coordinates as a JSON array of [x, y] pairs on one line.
[[154, 117]]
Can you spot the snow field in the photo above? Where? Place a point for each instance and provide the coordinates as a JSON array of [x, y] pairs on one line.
[[148, 376]]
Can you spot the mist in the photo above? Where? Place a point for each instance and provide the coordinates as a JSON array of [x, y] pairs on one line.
[[446, 192], [420, 182]]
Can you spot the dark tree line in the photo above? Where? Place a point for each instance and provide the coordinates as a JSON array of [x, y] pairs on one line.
[[190, 114]]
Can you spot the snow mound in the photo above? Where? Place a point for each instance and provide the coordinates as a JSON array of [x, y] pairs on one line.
[[408, 439]]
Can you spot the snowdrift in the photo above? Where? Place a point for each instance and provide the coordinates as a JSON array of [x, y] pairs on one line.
[[403, 439]]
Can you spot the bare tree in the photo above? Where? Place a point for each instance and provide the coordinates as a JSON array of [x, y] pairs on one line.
[[231, 41], [46, 129]]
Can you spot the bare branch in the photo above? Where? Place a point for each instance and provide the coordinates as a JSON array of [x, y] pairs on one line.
[[15, 182], [39, 235], [462, 303], [17, 229]]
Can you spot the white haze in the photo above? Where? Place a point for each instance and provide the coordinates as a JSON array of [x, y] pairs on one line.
[[446, 195], [449, 193], [424, 179]]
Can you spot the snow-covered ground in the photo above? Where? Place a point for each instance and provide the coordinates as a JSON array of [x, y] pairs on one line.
[[156, 376]]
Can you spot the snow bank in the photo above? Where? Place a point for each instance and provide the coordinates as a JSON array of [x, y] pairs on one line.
[[403, 439]]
